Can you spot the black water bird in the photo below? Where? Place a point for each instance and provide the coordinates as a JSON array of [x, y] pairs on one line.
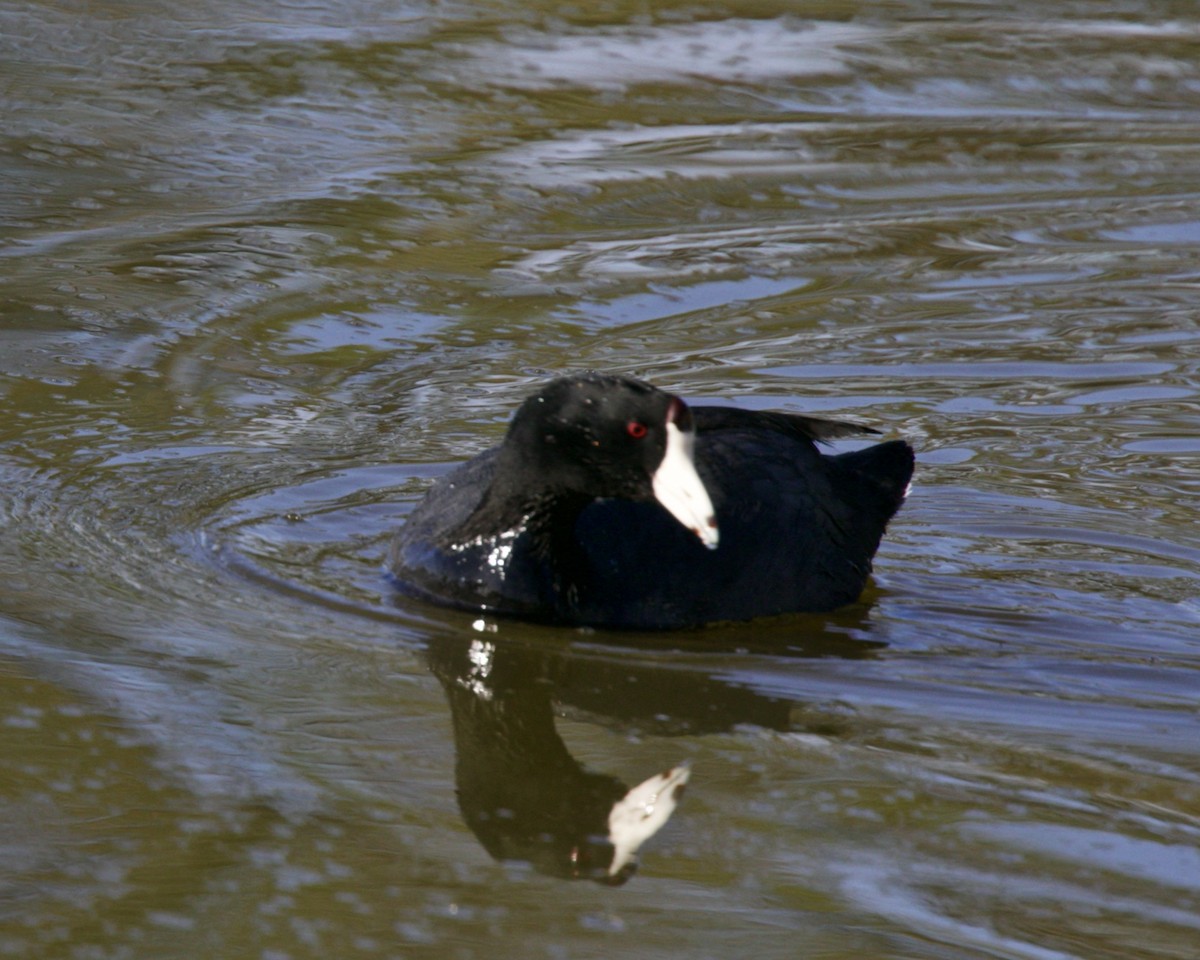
[[614, 504]]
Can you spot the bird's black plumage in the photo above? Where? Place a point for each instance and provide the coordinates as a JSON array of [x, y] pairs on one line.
[[561, 522]]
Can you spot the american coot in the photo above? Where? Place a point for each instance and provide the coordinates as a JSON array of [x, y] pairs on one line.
[[611, 503]]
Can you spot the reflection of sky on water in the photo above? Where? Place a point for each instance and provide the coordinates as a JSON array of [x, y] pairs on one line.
[[726, 50]]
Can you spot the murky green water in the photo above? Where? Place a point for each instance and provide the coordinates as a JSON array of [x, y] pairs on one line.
[[267, 268]]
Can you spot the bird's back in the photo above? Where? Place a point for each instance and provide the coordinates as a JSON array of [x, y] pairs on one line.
[[798, 531]]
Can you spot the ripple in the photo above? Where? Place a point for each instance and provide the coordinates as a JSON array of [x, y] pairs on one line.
[[1021, 371], [727, 51], [1167, 446]]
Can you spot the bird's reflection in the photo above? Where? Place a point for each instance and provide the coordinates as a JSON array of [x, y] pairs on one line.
[[520, 790]]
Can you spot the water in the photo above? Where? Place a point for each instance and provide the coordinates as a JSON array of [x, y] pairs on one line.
[[268, 268]]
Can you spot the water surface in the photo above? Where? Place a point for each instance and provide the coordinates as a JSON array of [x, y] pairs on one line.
[[267, 269]]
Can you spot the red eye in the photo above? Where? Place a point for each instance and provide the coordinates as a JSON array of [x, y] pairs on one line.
[[635, 429]]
